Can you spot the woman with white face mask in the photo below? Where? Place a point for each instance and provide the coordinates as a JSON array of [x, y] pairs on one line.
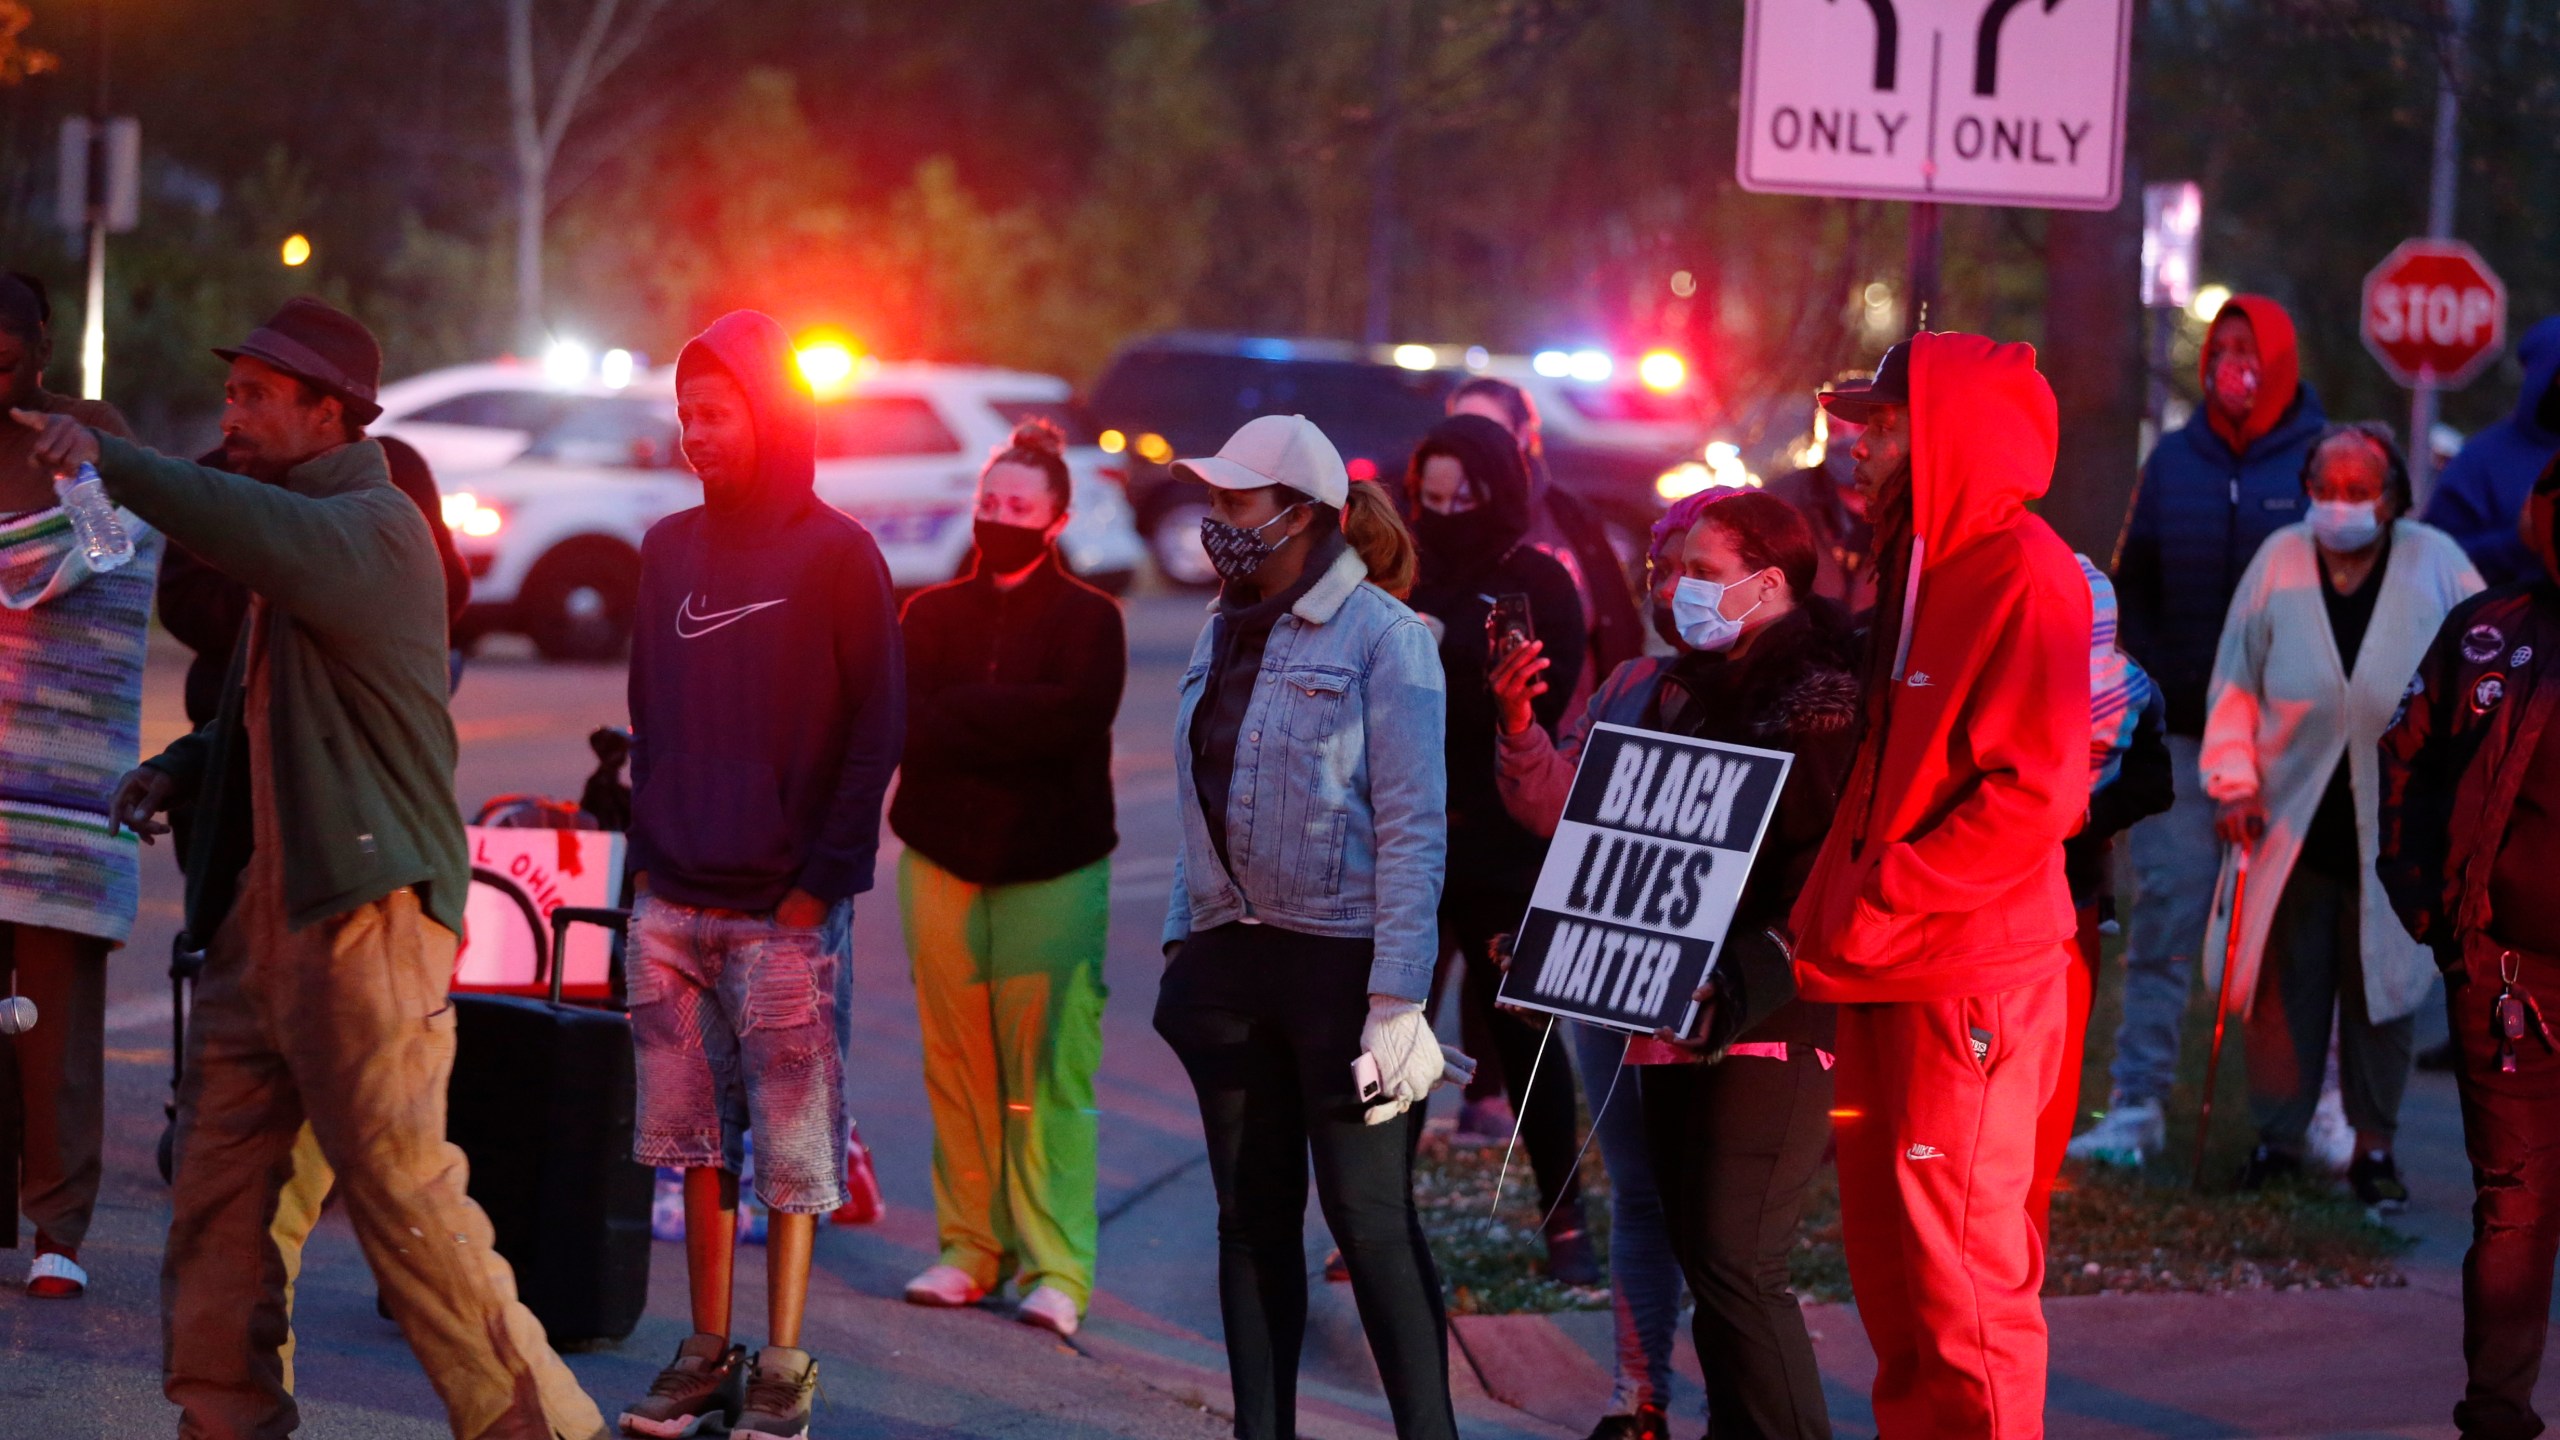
[[1737, 1118], [2328, 624]]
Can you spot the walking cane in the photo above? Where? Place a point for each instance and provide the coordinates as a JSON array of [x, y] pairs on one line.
[[2222, 1001]]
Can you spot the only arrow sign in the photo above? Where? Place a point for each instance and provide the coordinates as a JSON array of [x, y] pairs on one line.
[[1986, 44], [1889, 39]]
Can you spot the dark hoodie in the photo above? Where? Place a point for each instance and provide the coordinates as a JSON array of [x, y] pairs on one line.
[[1944, 876], [2203, 508], [1467, 560], [2482, 493], [768, 701]]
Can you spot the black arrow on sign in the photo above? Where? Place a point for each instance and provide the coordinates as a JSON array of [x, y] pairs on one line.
[[1889, 39], [1986, 44]]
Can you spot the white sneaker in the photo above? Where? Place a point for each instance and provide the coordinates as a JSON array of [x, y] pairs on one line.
[[1049, 1308], [2125, 1137], [945, 1286], [2330, 1143]]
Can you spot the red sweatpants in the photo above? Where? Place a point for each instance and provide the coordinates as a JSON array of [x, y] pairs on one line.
[[1937, 1162]]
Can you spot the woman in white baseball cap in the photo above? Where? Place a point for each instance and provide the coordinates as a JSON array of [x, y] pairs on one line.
[[1301, 933]]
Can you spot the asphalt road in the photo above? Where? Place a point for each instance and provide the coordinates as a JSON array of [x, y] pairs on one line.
[[91, 1367]]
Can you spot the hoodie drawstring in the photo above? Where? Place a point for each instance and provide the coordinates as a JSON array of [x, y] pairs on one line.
[[1910, 609]]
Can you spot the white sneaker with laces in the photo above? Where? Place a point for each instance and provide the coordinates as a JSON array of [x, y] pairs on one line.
[[2127, 1135], [946, 1286], [1049, 1308]]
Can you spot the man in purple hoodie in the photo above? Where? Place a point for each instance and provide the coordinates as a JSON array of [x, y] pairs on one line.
[[768, 711]]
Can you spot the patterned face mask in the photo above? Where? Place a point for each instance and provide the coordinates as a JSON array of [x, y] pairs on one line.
[[1237, 552]]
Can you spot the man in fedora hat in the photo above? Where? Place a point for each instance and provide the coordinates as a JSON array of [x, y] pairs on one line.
[[326, 878]]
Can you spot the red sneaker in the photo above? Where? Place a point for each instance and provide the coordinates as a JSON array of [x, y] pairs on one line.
[[56, 1275]]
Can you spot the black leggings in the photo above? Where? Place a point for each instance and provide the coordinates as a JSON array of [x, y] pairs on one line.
[[1735, 1146], [1468, 922], [1267, 1022]]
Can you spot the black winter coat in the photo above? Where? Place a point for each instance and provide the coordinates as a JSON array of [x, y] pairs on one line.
[[1788, 689], [1010, 699]]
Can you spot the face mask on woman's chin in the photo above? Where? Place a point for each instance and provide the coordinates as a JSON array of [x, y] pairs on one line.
[[2345, 526]]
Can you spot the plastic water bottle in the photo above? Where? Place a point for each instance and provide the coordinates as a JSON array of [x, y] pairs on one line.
[[93, 520]]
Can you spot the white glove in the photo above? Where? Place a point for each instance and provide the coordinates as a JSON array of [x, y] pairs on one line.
[[1458, 1069], [1409, 1057]]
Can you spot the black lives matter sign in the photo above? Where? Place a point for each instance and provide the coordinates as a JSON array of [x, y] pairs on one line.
[[1642, 878]]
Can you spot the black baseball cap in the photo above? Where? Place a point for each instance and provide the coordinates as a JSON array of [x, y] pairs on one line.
[[315, 341], [1858, 401]]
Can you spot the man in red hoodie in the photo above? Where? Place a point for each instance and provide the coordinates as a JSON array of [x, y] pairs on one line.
[[1937, 917]]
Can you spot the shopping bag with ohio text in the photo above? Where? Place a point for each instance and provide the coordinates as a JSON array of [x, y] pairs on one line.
[[1642, 878]]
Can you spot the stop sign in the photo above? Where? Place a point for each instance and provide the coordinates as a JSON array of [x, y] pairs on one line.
[[2434, 313]]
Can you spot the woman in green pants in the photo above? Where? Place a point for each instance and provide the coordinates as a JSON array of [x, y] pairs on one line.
[[1014, 673]]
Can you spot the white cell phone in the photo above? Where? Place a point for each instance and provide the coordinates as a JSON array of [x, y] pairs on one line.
[[1364, 1079]]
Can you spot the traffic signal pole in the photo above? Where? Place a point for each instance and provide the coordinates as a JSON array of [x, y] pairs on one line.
[[2442, 182]]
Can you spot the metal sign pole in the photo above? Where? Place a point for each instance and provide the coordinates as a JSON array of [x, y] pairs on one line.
[[1927, 250], [93, 321], [2441, 183]]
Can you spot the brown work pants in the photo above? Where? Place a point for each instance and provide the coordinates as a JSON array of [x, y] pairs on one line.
[[60, 1070], [344, 1023]]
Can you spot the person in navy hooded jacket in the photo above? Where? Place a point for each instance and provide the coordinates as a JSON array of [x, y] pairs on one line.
[[2211, 493], [2481, 494], [768, 710]]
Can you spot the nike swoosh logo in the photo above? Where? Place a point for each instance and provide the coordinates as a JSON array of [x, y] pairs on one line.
[[703, 624]]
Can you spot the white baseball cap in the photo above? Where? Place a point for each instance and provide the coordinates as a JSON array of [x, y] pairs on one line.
[[1275, 450]]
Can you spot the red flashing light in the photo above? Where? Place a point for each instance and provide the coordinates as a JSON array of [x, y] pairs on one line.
[[1362, 468]]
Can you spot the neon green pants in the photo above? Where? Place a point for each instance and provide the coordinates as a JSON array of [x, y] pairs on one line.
[[1009, 993]]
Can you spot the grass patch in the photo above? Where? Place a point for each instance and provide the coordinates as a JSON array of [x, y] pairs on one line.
[[1495, 1264], [2112, 1230]]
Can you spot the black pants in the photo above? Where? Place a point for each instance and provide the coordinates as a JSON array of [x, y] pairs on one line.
[[2511, 1126], [1469, 919], [1267, 1022], [2314, 971], [1735, 1145]]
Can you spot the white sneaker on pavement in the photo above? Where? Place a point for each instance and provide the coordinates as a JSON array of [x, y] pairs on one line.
[[1049, 1308], [2127, 1135], [2330, 1143], [946, 1286]]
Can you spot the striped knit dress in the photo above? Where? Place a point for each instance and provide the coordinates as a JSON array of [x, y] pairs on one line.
[[71, 648]]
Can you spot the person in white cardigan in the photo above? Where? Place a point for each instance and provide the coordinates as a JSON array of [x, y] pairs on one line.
[[2326, 629]]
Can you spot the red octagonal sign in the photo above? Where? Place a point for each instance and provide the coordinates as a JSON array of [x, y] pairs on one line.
[[2434, 313]]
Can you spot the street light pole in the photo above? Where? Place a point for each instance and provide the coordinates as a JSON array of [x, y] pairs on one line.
[[2442, 182], [93, 320]]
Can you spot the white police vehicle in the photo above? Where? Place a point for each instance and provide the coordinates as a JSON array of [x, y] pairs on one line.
[[569, 477]]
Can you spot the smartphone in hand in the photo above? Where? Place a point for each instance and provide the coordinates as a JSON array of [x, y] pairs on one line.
[[1507, 626], [1365, 1081]]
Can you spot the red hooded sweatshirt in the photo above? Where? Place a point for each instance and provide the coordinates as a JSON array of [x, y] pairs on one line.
[[1943, 877], [2279, 369]]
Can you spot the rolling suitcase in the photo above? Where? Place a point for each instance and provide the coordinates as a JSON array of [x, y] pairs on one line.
[[541, 1103]]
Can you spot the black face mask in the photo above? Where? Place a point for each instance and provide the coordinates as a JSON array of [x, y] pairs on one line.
[[1008, 548], [1236, 552]]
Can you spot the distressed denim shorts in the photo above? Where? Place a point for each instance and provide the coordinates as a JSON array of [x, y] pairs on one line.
[[724, 1004]]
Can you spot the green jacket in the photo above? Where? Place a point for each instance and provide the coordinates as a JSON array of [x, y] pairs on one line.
[[364, 745]]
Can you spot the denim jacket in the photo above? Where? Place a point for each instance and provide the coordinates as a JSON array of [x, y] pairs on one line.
[[1337, 817]]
